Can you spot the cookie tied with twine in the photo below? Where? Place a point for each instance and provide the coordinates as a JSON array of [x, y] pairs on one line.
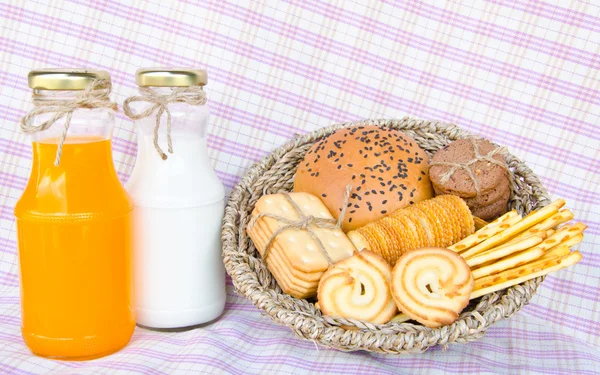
[[304, 222], [468, 167], [192, 95], [95, 95]]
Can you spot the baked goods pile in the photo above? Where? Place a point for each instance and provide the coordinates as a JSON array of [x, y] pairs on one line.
[[364, 234]]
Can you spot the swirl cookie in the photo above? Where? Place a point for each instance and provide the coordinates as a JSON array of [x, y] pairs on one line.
[[358, 288], [432, 285]]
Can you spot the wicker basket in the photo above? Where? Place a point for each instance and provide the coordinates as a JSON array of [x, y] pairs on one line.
[[252, 279]]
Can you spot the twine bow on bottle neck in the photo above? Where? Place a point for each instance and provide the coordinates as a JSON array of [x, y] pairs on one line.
[[304, 222], [193, 95], [96, 95]]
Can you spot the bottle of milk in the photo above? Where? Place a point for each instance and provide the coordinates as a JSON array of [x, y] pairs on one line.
[[179, 201]]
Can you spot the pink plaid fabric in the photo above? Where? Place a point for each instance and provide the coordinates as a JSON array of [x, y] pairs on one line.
[[524, 74]]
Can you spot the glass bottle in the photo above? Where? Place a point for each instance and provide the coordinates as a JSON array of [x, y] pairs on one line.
[[74, 229], [179, 200]]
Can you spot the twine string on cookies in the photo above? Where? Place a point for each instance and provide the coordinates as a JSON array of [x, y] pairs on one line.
[[192, 95], [304, 222], [454, 167], [96, 95]]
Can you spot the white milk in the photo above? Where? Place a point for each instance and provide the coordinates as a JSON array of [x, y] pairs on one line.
[[179, 203]]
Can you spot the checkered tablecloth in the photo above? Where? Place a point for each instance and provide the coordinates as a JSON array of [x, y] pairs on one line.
[[524, 74]]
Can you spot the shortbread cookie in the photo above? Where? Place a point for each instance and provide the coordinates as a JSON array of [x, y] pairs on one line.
[[358, 288], [432, 285], [279, 255], [295, 258], [299, 246]]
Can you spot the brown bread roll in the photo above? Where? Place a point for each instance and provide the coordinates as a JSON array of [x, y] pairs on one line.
[[386, 168]]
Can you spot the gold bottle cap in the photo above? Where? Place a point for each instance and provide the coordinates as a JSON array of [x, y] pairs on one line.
[[64, 79], [170, 77]]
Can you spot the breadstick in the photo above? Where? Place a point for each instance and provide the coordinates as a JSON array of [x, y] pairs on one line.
[[558, 218], [511, 280], [558, 251], [572, 241], [479, 223], [527, 222], [503, 222], [546, 260], [563, 234], [505, 250], [509, 262]]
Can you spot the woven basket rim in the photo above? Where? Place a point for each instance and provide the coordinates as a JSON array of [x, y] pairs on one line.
[[349, 334]]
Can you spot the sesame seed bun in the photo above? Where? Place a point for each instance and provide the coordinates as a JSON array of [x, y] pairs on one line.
[[386, 168]]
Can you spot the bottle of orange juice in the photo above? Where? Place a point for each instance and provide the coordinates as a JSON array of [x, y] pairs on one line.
[[74, 222]]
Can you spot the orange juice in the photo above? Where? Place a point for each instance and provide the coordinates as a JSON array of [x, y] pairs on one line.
[[74, 238]]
